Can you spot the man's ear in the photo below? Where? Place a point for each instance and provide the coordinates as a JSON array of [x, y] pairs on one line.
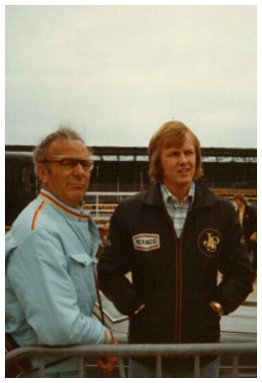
[[42, 173]]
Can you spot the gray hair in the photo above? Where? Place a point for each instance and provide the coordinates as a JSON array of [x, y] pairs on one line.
[[62, 133]]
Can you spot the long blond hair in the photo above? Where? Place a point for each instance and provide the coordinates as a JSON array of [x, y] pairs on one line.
[[171, 131]]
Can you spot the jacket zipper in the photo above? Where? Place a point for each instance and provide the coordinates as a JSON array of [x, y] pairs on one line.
[[178, 291], [178, 282]]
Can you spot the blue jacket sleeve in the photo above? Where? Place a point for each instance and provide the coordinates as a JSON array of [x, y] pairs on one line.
[[37, 271]]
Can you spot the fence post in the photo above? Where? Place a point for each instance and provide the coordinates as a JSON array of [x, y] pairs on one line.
[[81, 367], [158, 366], [97, 206], [42, 367], [121, 367], [196, 366], [235, 367]]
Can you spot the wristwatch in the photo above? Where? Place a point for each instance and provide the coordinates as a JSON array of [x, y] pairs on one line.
[[217, 307]]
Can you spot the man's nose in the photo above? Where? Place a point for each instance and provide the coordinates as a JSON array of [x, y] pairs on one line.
[[182, 158], [79, 169]]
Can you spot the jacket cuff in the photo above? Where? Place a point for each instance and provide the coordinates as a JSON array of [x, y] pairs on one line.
[[108, 336]]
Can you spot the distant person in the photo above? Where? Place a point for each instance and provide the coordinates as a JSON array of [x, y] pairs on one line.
[[174, 238], [248, 221], [50, 255]]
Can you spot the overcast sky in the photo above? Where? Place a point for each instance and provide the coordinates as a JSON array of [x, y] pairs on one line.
[[116, 73]]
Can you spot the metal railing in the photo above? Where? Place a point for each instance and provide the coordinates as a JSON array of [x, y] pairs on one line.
[[147, 350], [104, 203]]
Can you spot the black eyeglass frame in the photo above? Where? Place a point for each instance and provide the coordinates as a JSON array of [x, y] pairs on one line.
[[86, 164]]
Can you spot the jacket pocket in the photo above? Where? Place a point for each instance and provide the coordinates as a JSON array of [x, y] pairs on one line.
[[199, 322], [81, 273], [83, 259], [210, 324], [152, 323]]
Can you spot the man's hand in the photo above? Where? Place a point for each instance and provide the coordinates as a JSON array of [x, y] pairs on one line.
[[253, 237], [106, 364], [217, 308]]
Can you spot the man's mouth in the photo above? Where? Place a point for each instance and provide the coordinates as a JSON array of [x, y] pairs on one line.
[[184, 171], [77, 186]]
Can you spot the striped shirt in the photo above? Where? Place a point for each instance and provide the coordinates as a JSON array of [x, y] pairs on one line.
[[178, 210]]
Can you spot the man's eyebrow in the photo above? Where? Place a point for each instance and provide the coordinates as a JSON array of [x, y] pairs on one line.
[[64, 156]]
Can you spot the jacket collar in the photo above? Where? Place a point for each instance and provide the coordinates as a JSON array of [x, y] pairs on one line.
[[203, 196], [62, 207], [154, 196]]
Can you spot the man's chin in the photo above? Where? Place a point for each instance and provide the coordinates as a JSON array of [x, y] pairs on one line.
[[77, 198], [186, 180]]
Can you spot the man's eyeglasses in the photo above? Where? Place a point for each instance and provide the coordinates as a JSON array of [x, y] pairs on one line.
[[71, 163]]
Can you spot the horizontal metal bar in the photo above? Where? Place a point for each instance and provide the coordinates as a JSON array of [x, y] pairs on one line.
[[132, 350]]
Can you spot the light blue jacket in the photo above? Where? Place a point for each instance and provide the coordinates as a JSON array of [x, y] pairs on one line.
[[50, 287]]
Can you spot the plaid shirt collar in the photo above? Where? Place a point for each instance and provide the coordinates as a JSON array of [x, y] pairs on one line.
[[168, 196], [178, 210]]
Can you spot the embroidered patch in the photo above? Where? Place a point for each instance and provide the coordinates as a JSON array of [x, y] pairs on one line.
[[210, 242], [146, 242]]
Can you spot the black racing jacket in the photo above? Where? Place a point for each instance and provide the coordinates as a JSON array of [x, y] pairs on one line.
[[175, 278]]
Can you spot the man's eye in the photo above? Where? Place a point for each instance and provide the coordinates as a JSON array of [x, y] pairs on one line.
[[86, 164], [70, 163]]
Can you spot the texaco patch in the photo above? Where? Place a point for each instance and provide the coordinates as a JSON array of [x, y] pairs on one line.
[[146, 242]]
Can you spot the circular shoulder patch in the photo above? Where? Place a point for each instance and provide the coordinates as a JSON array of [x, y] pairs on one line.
[[210, 242]]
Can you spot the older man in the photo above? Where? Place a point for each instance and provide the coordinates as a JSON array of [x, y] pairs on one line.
[[174, 238], [50, 254]]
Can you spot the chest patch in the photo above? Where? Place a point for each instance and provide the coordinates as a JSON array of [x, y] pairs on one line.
[[146, 242], [210, 242]]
